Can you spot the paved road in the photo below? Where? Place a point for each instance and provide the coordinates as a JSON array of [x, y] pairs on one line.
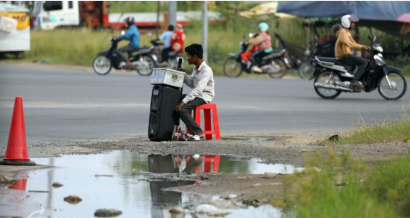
[[67, 105]]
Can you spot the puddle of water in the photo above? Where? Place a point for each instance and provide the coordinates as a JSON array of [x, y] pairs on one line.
[[117, 180], [251, 139]]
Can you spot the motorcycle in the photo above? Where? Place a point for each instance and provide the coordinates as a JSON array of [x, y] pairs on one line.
[[142, 60], [333, 77], [173, 56], [273, 63], [306, 68]]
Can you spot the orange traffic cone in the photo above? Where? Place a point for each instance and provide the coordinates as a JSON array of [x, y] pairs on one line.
[[16, 153], [20, 185]]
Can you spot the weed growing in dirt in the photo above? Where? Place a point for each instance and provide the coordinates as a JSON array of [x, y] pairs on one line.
[[380, 132]]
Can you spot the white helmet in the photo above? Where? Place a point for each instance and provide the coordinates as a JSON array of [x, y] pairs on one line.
[[347, 19]]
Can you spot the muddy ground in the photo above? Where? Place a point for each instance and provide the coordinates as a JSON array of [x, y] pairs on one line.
[[285, 148]]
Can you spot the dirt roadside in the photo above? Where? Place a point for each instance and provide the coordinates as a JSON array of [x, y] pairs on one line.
[[285, 148]]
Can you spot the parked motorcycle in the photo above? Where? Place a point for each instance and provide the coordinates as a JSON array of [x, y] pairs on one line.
[[142, 60], [273, 63], [333, 77]]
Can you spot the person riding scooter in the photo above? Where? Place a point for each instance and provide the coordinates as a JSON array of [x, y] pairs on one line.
[[343, 53], [133, 36], [248, 54], [166, 36], [178, 39], [265, 45], [329, 45]]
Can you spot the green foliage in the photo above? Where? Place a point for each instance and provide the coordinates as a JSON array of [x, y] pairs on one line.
[[391, 182], [337, 186], [136, 6]]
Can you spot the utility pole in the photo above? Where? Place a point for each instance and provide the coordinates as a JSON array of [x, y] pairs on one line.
[[156, 27], [205, 30], [172, 12]]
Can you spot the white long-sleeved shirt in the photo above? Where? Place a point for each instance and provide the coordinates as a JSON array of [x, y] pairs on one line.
[[202, 83]]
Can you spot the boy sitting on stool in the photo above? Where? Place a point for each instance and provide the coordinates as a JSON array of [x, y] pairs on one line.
[[202, 83]]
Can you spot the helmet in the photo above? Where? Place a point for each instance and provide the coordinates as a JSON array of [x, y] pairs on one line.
[[336, 27], [129, 21], [263, 27], [347, 19]]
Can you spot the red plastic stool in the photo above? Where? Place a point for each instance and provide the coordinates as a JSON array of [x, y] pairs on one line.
[[207, 119], [207, 164]]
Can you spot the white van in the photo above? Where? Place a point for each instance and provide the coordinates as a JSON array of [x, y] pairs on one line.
[[14, 29], [59, 13]]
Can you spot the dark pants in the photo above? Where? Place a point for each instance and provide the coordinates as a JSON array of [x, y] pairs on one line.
[[127, 48], [187, 118], [164, 54], [257, 56], [360, 62]]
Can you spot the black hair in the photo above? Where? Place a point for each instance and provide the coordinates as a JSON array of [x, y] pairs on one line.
[[195, 49], [171, 27]]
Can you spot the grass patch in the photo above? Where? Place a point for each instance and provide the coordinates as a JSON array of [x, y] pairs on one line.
[[391, 182], [380, 132], [339, 186]]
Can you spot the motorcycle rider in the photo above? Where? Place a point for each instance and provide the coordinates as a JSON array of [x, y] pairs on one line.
[[265, 45], [178, 39], [330, 44], [133, 36], [343, 53], [166, 36], [246, 55]]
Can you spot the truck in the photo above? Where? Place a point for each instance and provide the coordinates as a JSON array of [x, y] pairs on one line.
[[14, 29], [93, 14]]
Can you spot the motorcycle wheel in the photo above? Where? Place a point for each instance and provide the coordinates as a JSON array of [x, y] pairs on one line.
[[399, 86], [102, 65], [323, 92], [306, 70], [148, 67], [232, 68], [282, 71]]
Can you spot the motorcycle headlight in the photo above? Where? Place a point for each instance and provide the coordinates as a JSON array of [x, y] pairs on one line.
[[307, 52], [379, 59], [378, 48]]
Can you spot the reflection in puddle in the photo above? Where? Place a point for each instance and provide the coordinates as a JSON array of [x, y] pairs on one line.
[[250, 139], [126, 190]]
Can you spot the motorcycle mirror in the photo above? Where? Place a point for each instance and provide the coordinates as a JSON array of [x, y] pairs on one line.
[[149, 33], [375, 37], [122, 32], [180, 59], [250, 35], [369, 36]]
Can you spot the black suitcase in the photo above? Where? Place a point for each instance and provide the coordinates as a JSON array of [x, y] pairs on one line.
[[163, 117]]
